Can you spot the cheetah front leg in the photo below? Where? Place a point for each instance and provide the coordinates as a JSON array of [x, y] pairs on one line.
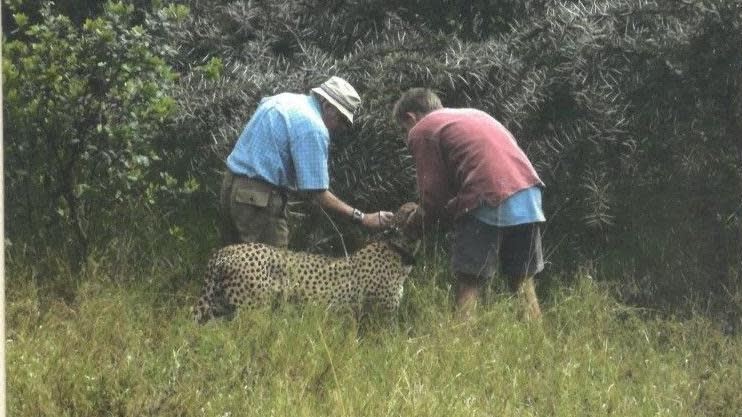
[[202, 311], [392, 299], [213, 303]]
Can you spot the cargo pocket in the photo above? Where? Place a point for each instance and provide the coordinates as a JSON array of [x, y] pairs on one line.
[[252, 197]]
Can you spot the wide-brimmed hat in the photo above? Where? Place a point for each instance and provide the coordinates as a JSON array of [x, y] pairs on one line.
[[340, 94]]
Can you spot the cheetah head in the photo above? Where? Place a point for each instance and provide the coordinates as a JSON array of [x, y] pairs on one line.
[[399, 236]]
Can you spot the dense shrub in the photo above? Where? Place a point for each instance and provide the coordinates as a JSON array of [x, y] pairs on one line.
[[84, 108], [631, 111]]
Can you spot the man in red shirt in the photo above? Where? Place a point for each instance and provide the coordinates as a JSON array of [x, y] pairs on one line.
[[472, 173]]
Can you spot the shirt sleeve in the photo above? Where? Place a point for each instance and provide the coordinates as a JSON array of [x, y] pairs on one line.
[[309, 152], [432, 177]]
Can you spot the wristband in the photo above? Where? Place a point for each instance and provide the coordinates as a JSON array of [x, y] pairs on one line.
[[358, 216]]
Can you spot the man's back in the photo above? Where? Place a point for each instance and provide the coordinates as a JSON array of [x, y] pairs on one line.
[[472, 156], [285, 131]]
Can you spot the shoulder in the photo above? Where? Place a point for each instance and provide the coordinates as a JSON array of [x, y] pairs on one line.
[[303, 112], [428, 128], [457, 114], [298, 106], [445, 116], [464, 121], [300, 113]]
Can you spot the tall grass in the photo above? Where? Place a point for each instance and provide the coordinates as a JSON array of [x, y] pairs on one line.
[[128, 347]]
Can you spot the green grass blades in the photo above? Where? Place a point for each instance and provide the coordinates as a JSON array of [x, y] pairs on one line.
[[132, 349]]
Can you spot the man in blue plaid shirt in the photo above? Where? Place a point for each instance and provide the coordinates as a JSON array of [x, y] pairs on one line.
[[285, 147]]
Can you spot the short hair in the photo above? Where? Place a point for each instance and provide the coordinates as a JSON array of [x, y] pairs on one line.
[[416, 100]]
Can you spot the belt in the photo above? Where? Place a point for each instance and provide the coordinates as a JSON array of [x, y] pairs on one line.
[[259, 184]]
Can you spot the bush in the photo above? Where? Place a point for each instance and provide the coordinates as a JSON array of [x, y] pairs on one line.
[[630, 110], [84, 106]]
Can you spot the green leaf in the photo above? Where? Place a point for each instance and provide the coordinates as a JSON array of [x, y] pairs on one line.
[[20, 19]]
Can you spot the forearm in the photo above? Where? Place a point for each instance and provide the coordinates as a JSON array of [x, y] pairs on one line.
[[434, 197], [432, 178], [327, 200]]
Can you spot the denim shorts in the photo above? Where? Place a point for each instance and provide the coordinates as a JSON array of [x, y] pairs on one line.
[[479, 249]]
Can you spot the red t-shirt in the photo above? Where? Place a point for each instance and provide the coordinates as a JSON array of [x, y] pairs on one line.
[[465, 158]]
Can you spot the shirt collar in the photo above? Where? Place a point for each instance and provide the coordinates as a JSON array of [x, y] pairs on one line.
[[316, 105]]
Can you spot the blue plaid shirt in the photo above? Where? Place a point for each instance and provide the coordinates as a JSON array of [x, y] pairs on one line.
[[284, 143]]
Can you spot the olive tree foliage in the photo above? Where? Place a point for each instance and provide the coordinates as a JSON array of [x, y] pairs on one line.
[[84, 105], [629, 109], [77, 11]]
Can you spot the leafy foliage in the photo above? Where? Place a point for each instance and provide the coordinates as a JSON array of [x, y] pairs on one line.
[[631, 111], [83, 108]]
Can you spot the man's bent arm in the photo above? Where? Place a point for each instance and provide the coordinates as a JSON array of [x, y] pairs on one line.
[[327, 200]]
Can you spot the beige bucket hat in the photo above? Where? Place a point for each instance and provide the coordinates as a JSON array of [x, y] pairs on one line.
[[340, 94]]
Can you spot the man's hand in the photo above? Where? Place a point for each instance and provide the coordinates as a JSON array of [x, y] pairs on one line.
[[380, 219], [411, 219]]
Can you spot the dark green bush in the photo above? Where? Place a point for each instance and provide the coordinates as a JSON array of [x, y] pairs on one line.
[[84, 109], [631, 111]]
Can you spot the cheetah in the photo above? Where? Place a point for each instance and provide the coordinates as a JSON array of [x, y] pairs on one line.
[[249, 275]]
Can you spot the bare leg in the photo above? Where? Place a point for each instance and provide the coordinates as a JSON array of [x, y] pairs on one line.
[[467, 294], [525, 290]]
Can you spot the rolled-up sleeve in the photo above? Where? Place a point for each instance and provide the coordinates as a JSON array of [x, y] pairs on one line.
[[309, 151]]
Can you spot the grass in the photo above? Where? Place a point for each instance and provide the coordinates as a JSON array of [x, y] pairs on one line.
[[128, 347]]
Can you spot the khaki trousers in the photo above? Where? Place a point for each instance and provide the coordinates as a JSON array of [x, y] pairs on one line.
[[252, 210]]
